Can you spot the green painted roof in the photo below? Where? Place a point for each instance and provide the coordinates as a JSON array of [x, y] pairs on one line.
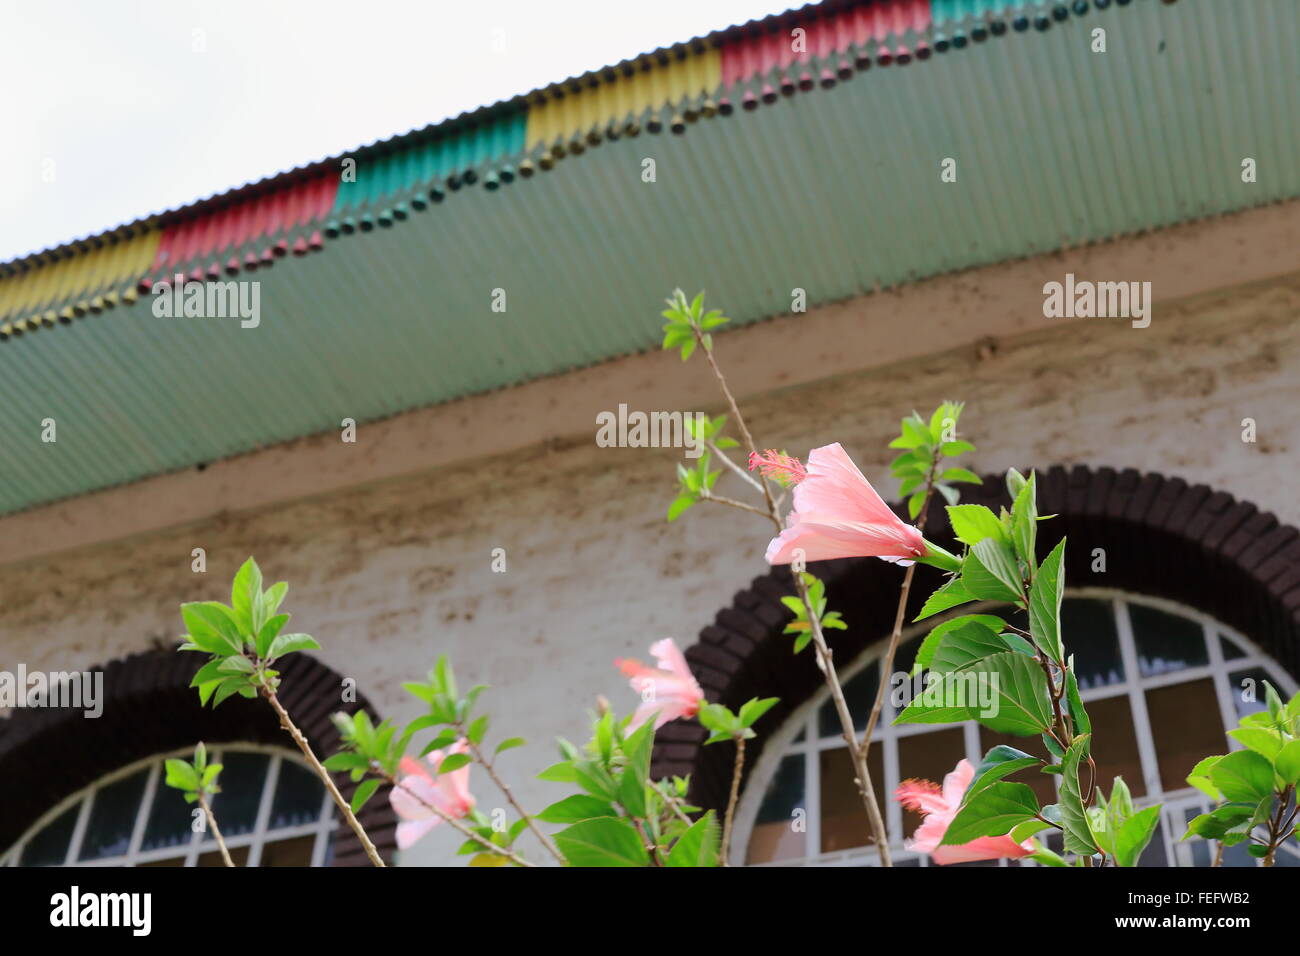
[[835, 190]]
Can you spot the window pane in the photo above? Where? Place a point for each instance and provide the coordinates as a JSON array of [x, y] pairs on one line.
[[170, 861], [112, 817], [930, 756], [293, 852], [1247, 689], [298, 796], [170, 819], [844, 822], [1115, 747], [859, 694], [1088, 626], [1186, 725], [1166, 642], [238, 855], [50, 846], [1230, 650], [774, 837], [235, 807]]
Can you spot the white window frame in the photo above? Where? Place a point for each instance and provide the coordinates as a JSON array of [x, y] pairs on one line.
[[255, 840], [1134, 686]]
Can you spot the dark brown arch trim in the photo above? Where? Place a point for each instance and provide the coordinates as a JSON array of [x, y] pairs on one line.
[[1162, 537], [46, 755]]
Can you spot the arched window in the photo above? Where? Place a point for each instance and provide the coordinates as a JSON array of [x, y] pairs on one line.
[[91, 791], [1178, 593], [272, 811], [1162, 684]]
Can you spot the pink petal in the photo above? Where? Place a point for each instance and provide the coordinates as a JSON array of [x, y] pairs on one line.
[[411, 832]]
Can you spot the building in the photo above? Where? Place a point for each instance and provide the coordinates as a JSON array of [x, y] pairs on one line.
[[915, 171]]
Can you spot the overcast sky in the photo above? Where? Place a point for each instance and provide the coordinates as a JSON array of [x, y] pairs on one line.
[[113, 109]]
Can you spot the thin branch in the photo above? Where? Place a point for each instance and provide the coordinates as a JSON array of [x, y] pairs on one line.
[[734, 467], [477, 754], [732, 503], [887, 666], [216, 830], [856, 754], [736, 770], [321, 772]]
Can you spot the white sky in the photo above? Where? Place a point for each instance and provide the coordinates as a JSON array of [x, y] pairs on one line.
[[111, 100]]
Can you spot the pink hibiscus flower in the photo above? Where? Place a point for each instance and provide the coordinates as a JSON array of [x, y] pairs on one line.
[[669, 691], [420, 790], [837, 514], [939, 807]]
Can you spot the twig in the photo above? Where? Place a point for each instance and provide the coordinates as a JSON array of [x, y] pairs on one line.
[[510, 797], [321, 772], [736, 770], [887, 665], [216, 830], [856, 754], [733, 466]]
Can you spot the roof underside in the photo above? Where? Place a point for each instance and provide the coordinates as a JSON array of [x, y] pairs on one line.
[[818, 171]]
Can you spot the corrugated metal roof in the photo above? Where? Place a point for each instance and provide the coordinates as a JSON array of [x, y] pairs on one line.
[[835, 191]]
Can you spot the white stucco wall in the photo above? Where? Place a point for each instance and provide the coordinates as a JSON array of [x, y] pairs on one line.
[[389, 574]]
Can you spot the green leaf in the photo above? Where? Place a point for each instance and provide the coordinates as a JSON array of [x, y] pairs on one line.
[[1024, 523], [966, 644], [679, 505], [1134, 834], [363, 793], [999, 762], [950, 595], [477, 729], [237, 663], [245, 593], [563, 772], [753, 709], [509, 744], [575, 808], [1243, 776], [211, 627], [181, 775], [288, 643], [1216, 824], [990, 572], [925, 653], [1200, 778], [453, 762], [1074, 702], [973, 523], [1021, 703], [1074, 818], [606, 841], [230, 685], [1266, 743], [992, 811], [345, 760], [961, 475], [698, 846], [1287, 763], [1045, 602], [267, 633]]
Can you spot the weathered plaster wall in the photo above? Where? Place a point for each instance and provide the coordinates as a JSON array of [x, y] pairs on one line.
[[389, 574]]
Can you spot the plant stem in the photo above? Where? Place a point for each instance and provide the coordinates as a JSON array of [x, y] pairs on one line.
[[216, 830], [321, 772], [887, 665], [477, 754], [856, 754], [488, 845], [650, 846], [736, 770]]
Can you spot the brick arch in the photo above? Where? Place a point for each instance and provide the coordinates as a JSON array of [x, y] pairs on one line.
[[1162, 538], [47, 755]]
